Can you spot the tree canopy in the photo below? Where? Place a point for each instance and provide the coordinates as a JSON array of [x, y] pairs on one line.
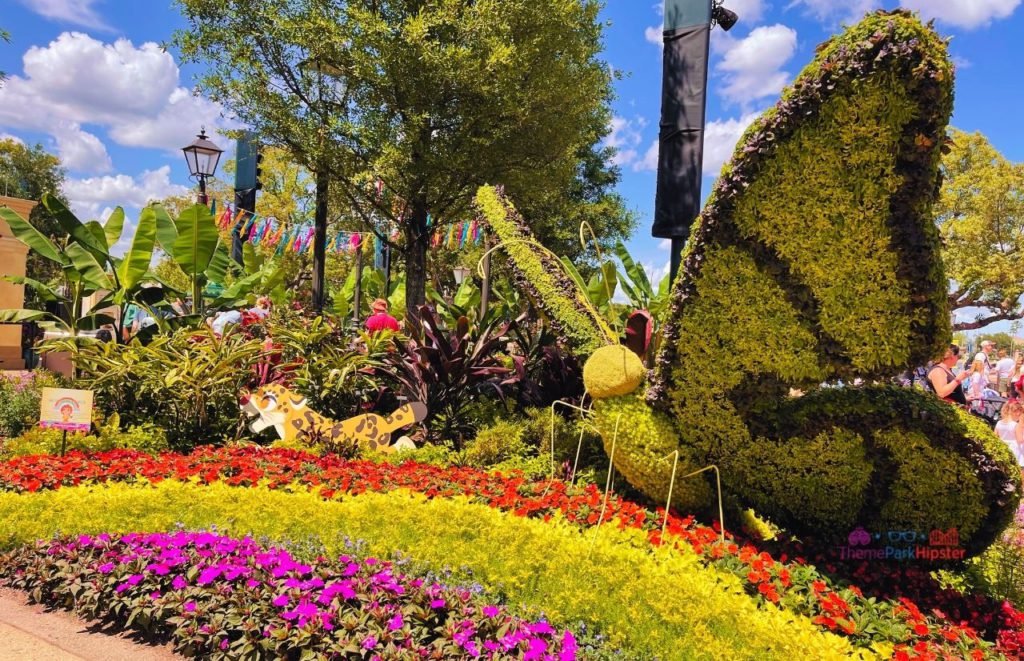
[[981, 217], [27, 172], [431, 98]]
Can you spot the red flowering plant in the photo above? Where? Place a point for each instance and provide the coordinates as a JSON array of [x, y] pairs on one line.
[[218, 598], [791, 583]]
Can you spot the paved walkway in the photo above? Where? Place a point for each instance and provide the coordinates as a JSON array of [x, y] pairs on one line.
[[30, 633]]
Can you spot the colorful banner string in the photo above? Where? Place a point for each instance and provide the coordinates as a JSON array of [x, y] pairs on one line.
[[299, 237]]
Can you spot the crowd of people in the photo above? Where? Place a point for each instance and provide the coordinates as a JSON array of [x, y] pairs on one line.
[[990, 385]]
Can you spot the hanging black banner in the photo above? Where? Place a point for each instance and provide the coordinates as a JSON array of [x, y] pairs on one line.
[[683, 99]]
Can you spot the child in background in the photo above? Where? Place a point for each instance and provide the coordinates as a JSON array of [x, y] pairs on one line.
[[380, 320]]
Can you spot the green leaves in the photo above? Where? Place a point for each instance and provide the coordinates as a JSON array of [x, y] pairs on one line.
[[114, 226], [135, 265], [70, 224], [197, 240], [166, 230], [30, 236]]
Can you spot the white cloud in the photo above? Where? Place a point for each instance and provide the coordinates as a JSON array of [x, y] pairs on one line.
[[749, 11], [967, 14], [656, 274], [79, 150], [654, 35], [665, 244], [841, 10], [753, 65], [720, 138], [131, 92], [93, 197], [8, 136], [77, 12], [624, 138], [649, 163]]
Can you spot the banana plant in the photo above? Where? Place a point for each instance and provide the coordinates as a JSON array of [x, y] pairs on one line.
[[195, 245], [87, 267]]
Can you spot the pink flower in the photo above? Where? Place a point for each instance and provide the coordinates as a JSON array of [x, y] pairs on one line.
[[190, 606], [437, 603], [491, 611], [179, 583], [281, 600], [106, 568], [396, 622], [370, 642]]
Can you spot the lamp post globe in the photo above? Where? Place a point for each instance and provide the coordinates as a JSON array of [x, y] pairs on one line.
[[202, 157]]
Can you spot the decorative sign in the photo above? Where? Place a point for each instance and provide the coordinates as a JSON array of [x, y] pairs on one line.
[[70, 410]]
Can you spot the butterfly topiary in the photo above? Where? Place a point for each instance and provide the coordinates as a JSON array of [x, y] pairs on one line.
[[816, 260]]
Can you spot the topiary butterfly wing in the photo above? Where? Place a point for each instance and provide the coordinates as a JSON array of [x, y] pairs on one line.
[[817, 259]]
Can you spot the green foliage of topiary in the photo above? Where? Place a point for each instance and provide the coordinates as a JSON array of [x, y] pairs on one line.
[[816, 258], [542, 277], [612, 371], [642, 442]]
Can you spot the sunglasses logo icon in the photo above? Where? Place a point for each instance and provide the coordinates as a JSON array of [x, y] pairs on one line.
[[896, 536]]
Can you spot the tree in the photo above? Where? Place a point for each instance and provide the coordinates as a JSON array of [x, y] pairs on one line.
[[1000, 340], [6, 37], [431, 98], [28, 173], [981, 216]]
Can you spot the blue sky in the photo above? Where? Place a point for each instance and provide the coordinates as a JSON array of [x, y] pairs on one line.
[[88, 80]]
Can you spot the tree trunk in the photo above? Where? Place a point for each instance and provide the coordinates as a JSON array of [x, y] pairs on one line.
[[416, 242], [320, 242]]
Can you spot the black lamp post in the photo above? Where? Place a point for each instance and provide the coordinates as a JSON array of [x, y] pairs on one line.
[[202, 157]]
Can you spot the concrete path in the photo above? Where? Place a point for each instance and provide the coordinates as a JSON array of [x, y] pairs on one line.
[[28, 632]]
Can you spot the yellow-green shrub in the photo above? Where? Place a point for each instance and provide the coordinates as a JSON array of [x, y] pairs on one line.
[[659, 602], [542, 277]]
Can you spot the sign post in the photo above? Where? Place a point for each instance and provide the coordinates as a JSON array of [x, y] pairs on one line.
[[67, 410]]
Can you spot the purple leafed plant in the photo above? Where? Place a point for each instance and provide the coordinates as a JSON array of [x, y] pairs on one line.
[[218, 597]]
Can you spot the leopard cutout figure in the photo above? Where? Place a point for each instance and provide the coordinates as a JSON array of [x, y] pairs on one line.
[[276, 406]]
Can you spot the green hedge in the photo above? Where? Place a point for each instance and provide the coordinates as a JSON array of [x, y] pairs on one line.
[[817, 258], [656, 603]]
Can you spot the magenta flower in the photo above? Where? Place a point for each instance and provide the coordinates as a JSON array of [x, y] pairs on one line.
[[370, 642], [105, 568], [190, 606], [396, 623]]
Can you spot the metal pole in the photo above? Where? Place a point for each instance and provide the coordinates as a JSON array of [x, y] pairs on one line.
[[202, 191], [320, 242], [359, 282], [485, 287]]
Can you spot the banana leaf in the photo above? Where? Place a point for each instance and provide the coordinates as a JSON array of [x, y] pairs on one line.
[[166, 231], [30, 236], [80, 234], [197, 241], [114, 226], [135, 265]]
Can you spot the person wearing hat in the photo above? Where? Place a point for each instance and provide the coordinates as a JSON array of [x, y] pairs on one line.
[[380, 320]]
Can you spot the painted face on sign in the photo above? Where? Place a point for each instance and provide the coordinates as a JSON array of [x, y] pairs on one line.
[[65, 412]]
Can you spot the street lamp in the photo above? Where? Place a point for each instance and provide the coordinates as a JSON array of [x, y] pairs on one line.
[[461, 273], [202, 157]]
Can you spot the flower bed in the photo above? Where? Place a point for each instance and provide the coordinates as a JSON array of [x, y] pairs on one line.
[[792, 584], [218, 597], [650, 602]]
